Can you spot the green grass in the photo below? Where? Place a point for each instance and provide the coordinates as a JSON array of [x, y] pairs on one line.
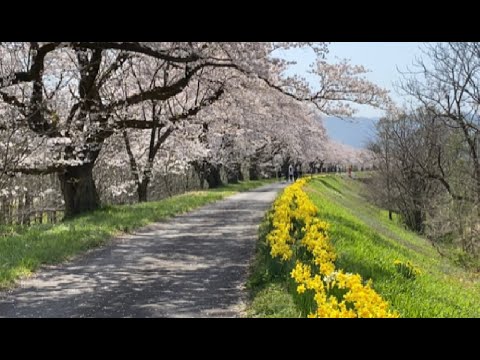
[[368, 243], [24, 249], [273, 301], [269, 284]]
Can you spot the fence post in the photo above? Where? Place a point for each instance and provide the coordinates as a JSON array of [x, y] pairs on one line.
[[20, 209], [28, 209]]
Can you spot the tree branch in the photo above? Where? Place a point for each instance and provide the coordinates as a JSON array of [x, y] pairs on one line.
[[137, 48], [143, 124], [32, 73], [53, 169], [12, 100]]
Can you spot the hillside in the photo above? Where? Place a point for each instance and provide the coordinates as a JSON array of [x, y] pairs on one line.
[[367, 243]]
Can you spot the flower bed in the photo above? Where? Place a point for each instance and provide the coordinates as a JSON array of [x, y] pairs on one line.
[[300, 238]]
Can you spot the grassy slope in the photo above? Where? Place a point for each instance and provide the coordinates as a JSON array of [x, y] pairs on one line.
[[23, 250], [268, 283], [368, 243]]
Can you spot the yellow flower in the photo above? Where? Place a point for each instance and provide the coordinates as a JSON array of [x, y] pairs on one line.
[[301, 289], [294, 215]]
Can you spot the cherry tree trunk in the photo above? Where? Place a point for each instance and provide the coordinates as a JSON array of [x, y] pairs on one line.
[[285, 165], [214, 178], [142, 190], [234, 174], [79, 191], [253, 171]]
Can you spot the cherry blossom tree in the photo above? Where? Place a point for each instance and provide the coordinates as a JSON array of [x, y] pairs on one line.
[[73, 96]]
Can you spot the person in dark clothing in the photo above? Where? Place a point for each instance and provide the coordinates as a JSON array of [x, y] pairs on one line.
[[291, 177]]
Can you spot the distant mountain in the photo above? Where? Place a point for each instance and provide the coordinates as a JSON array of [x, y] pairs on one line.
[[354, 132]]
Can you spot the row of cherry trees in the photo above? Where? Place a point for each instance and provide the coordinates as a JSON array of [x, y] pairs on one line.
[[121, 115]]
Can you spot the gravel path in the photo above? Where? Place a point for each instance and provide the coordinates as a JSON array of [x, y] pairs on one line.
[[194, 265]]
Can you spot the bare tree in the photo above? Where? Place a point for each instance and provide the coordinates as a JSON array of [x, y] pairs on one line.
[[448, 85], [410, 153]]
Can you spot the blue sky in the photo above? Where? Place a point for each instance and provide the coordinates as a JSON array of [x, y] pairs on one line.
[[382, 59]]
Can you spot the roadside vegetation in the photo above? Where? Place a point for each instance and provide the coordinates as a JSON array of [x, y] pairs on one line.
[[404, 268], [24, 248]]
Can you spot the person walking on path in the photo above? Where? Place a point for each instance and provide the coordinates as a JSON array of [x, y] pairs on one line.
[[290, 173]]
